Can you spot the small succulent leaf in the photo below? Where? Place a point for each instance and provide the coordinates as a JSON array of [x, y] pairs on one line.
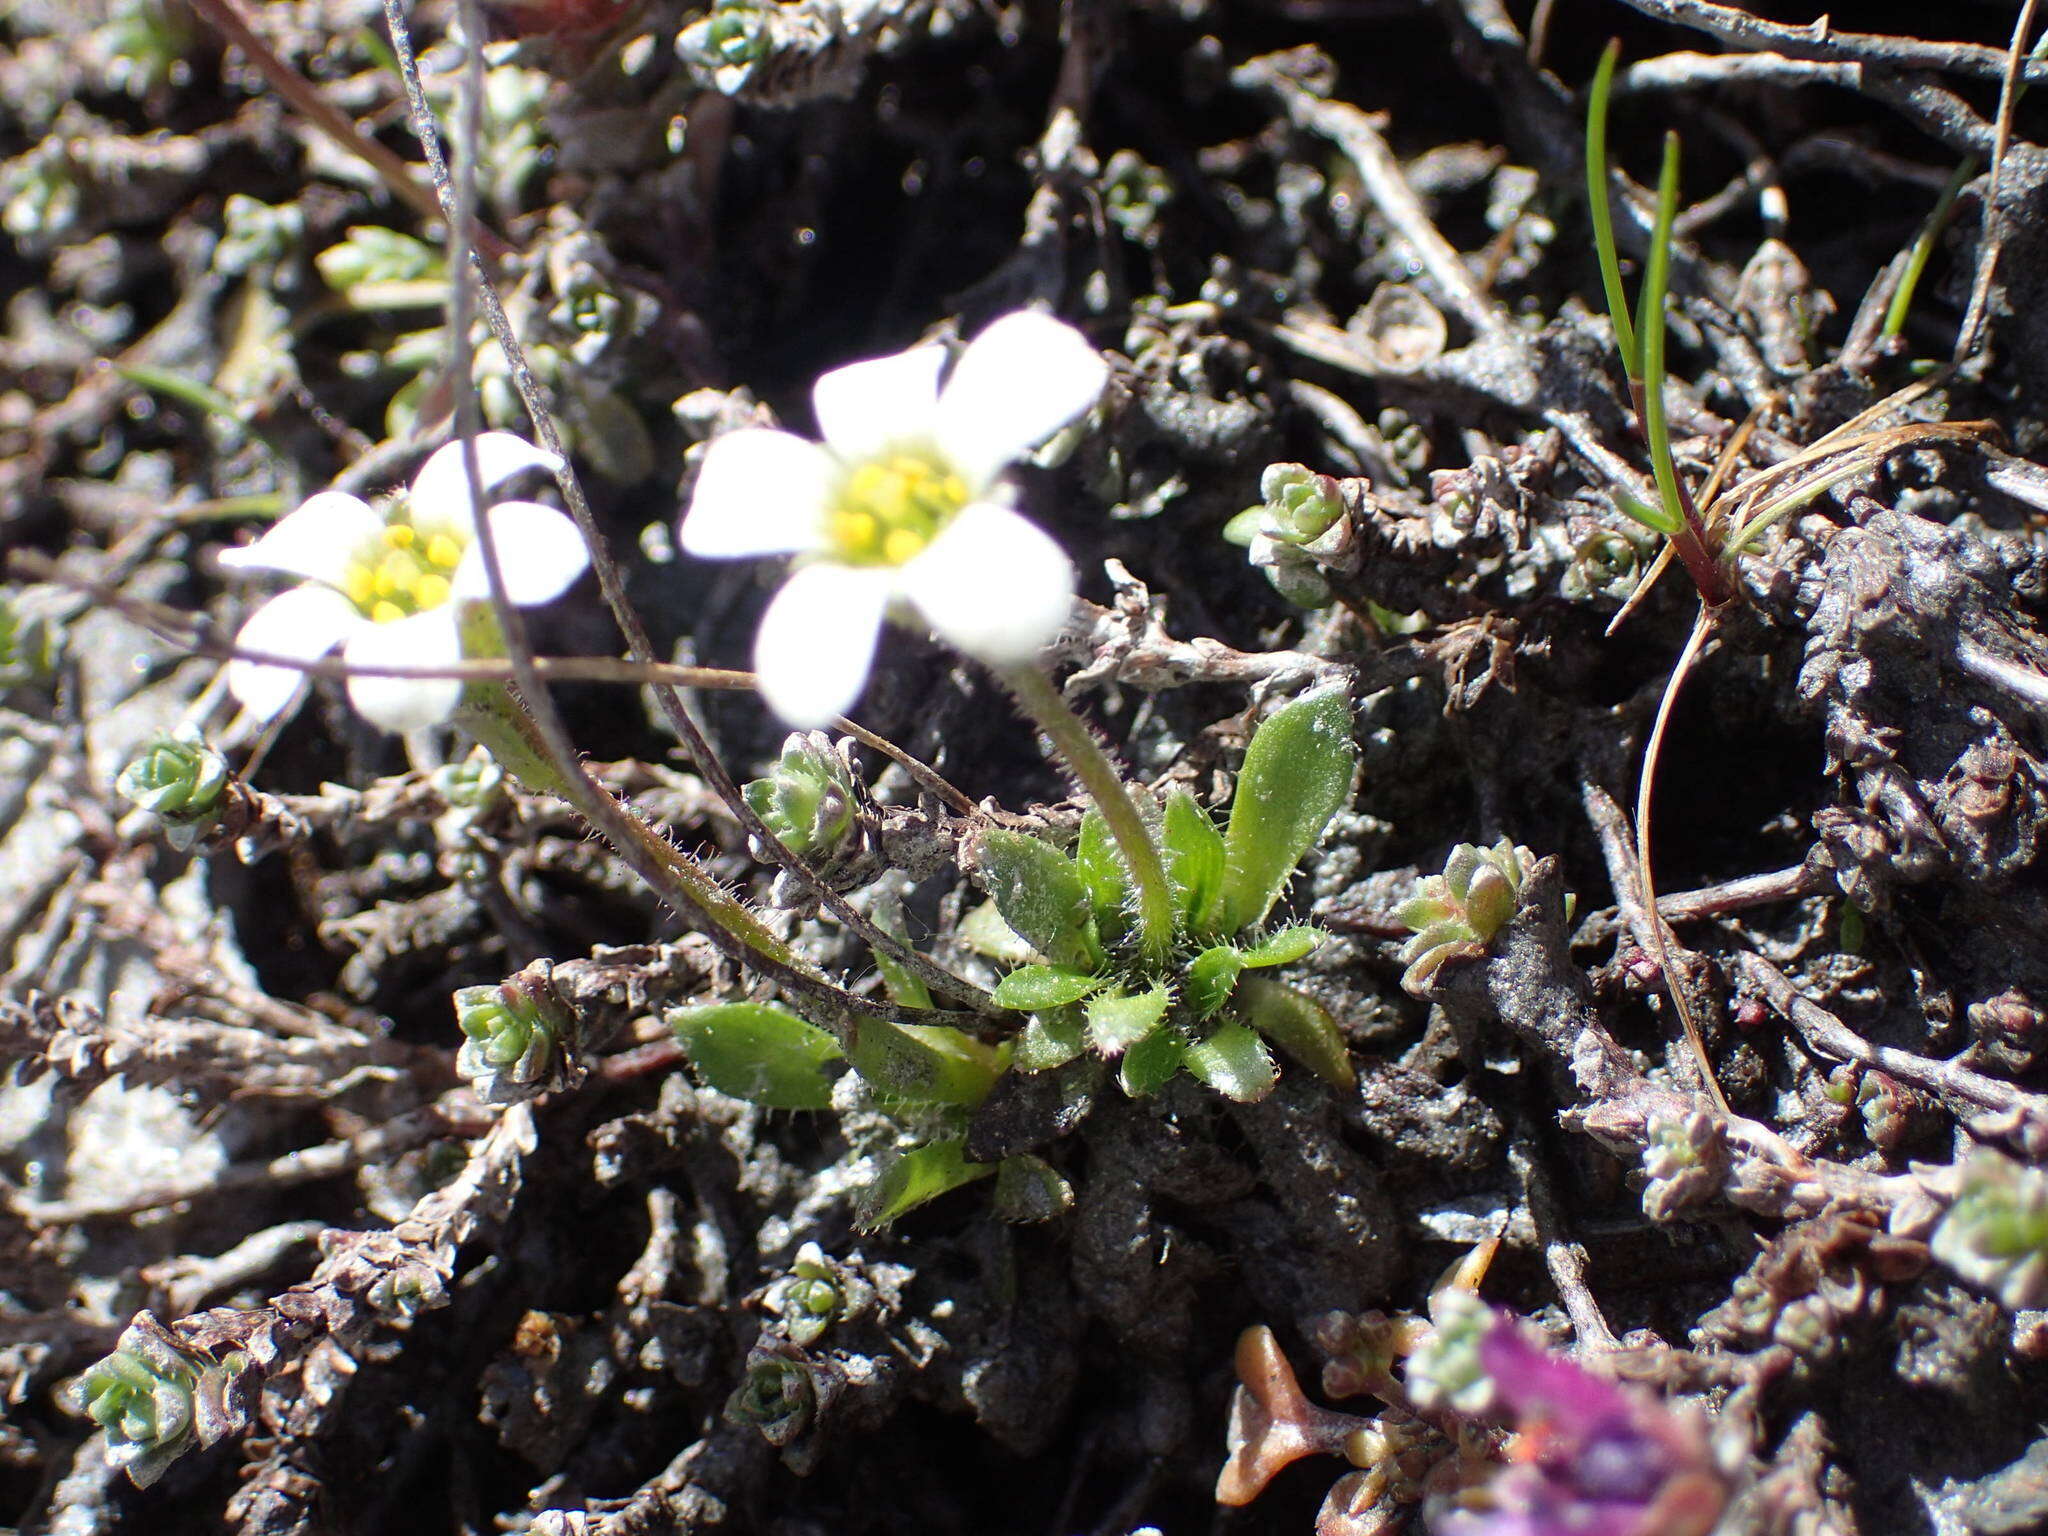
[[1244, 526], [1235, 1062], [1118, 1020], [1150, 1064], [1050, 1039], [759, 1053], [1452, 930], [1283, 946], [1296, 776], [983, 931], [1459, 868], [921, 1174], [1299, 1025], [1489, 900], [1040, 895], [1031, 987], [1209, 978], [1427, 908], [1104, 873], [1195, 860], [924, 1063], [904, 988], [1030, 1189]]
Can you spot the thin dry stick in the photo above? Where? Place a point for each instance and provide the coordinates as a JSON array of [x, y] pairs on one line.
[[612, 585], [1702, 630], [1969, 336]]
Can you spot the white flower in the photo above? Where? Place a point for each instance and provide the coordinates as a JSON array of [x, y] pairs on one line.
[[901, 505], [388, 583]]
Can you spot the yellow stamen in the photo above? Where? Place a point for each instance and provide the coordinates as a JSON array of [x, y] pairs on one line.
[[386, 613], [400, 535], [444, 552], [359, 585], [888, 509], [899, 544], [430, 591]]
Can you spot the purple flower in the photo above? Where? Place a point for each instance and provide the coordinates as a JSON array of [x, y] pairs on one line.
[[1589, 1457]]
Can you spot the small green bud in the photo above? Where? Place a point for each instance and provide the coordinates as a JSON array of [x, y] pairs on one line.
[[1606, 565], [518, 1036], [1445, 1369], [474, 784], [28, 645], [145, 1396], [180, 779], [812, 1297], [1301, 505], [776, 1396], [1458, 912], [1683, 1159], [1995, 1233], [809, 796]]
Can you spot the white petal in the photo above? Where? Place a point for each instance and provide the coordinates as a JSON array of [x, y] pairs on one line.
[[306, 622], [440, 491], [994, 584], [759, 492], [539, 550], [406, 703], [817, 640], [317, 541], [1020, 381], [864, 407]]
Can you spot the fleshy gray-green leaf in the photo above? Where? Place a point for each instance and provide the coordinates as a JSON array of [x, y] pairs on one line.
[[1299, 1025], [1040, 894], [1031, 987], [1195, 860], [1117, 1021], [759, 1053], [921, 1174], [1296, 775], [1235, 1062], [1030, 1189]]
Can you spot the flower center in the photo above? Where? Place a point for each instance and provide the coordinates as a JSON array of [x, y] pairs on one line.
[[402, 572], [889, 508]]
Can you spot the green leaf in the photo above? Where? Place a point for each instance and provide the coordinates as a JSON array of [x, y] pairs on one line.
[[1210, 977], [1150, 1065], [1117, 1020], [1195, 860], [1049, 1040], [1297, 773], [1030, 1189], [1299, 1025], [1235, 1062], [984, 931], [1104, 873], [1031, 987], [1283, 946], [1244, 526], [903, 986], [921, 1174], [759, 1053], [1039, 892], [924, 1063]]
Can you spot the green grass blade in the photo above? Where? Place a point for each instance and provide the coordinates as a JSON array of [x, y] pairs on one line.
[[1923, 247], [1603, 216], [1656, 279]]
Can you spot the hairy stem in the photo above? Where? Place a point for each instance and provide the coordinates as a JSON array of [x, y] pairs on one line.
[[1076, 746]]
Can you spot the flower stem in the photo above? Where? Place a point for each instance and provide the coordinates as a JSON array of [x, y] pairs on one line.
[[494, 715], [1076, 746]]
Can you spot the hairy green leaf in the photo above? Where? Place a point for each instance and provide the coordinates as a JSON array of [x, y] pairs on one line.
[[1030, 1189], [1040, 894], [1118, 1020], [1195, 860], [921, 1174], [1150, 1064], [1104, 873], [1283, 946], [924, 1063], [759, 1053], [1235, 1062], [1050, 1039], [1299, 1025], [1210, 977], [1297, 773], [1031, 987]]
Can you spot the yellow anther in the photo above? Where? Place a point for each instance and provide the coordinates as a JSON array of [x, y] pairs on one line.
[[400, 535], [386, 613], [359, 585], [444, 551], [899, 544], [953, 491], [430, 591]]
